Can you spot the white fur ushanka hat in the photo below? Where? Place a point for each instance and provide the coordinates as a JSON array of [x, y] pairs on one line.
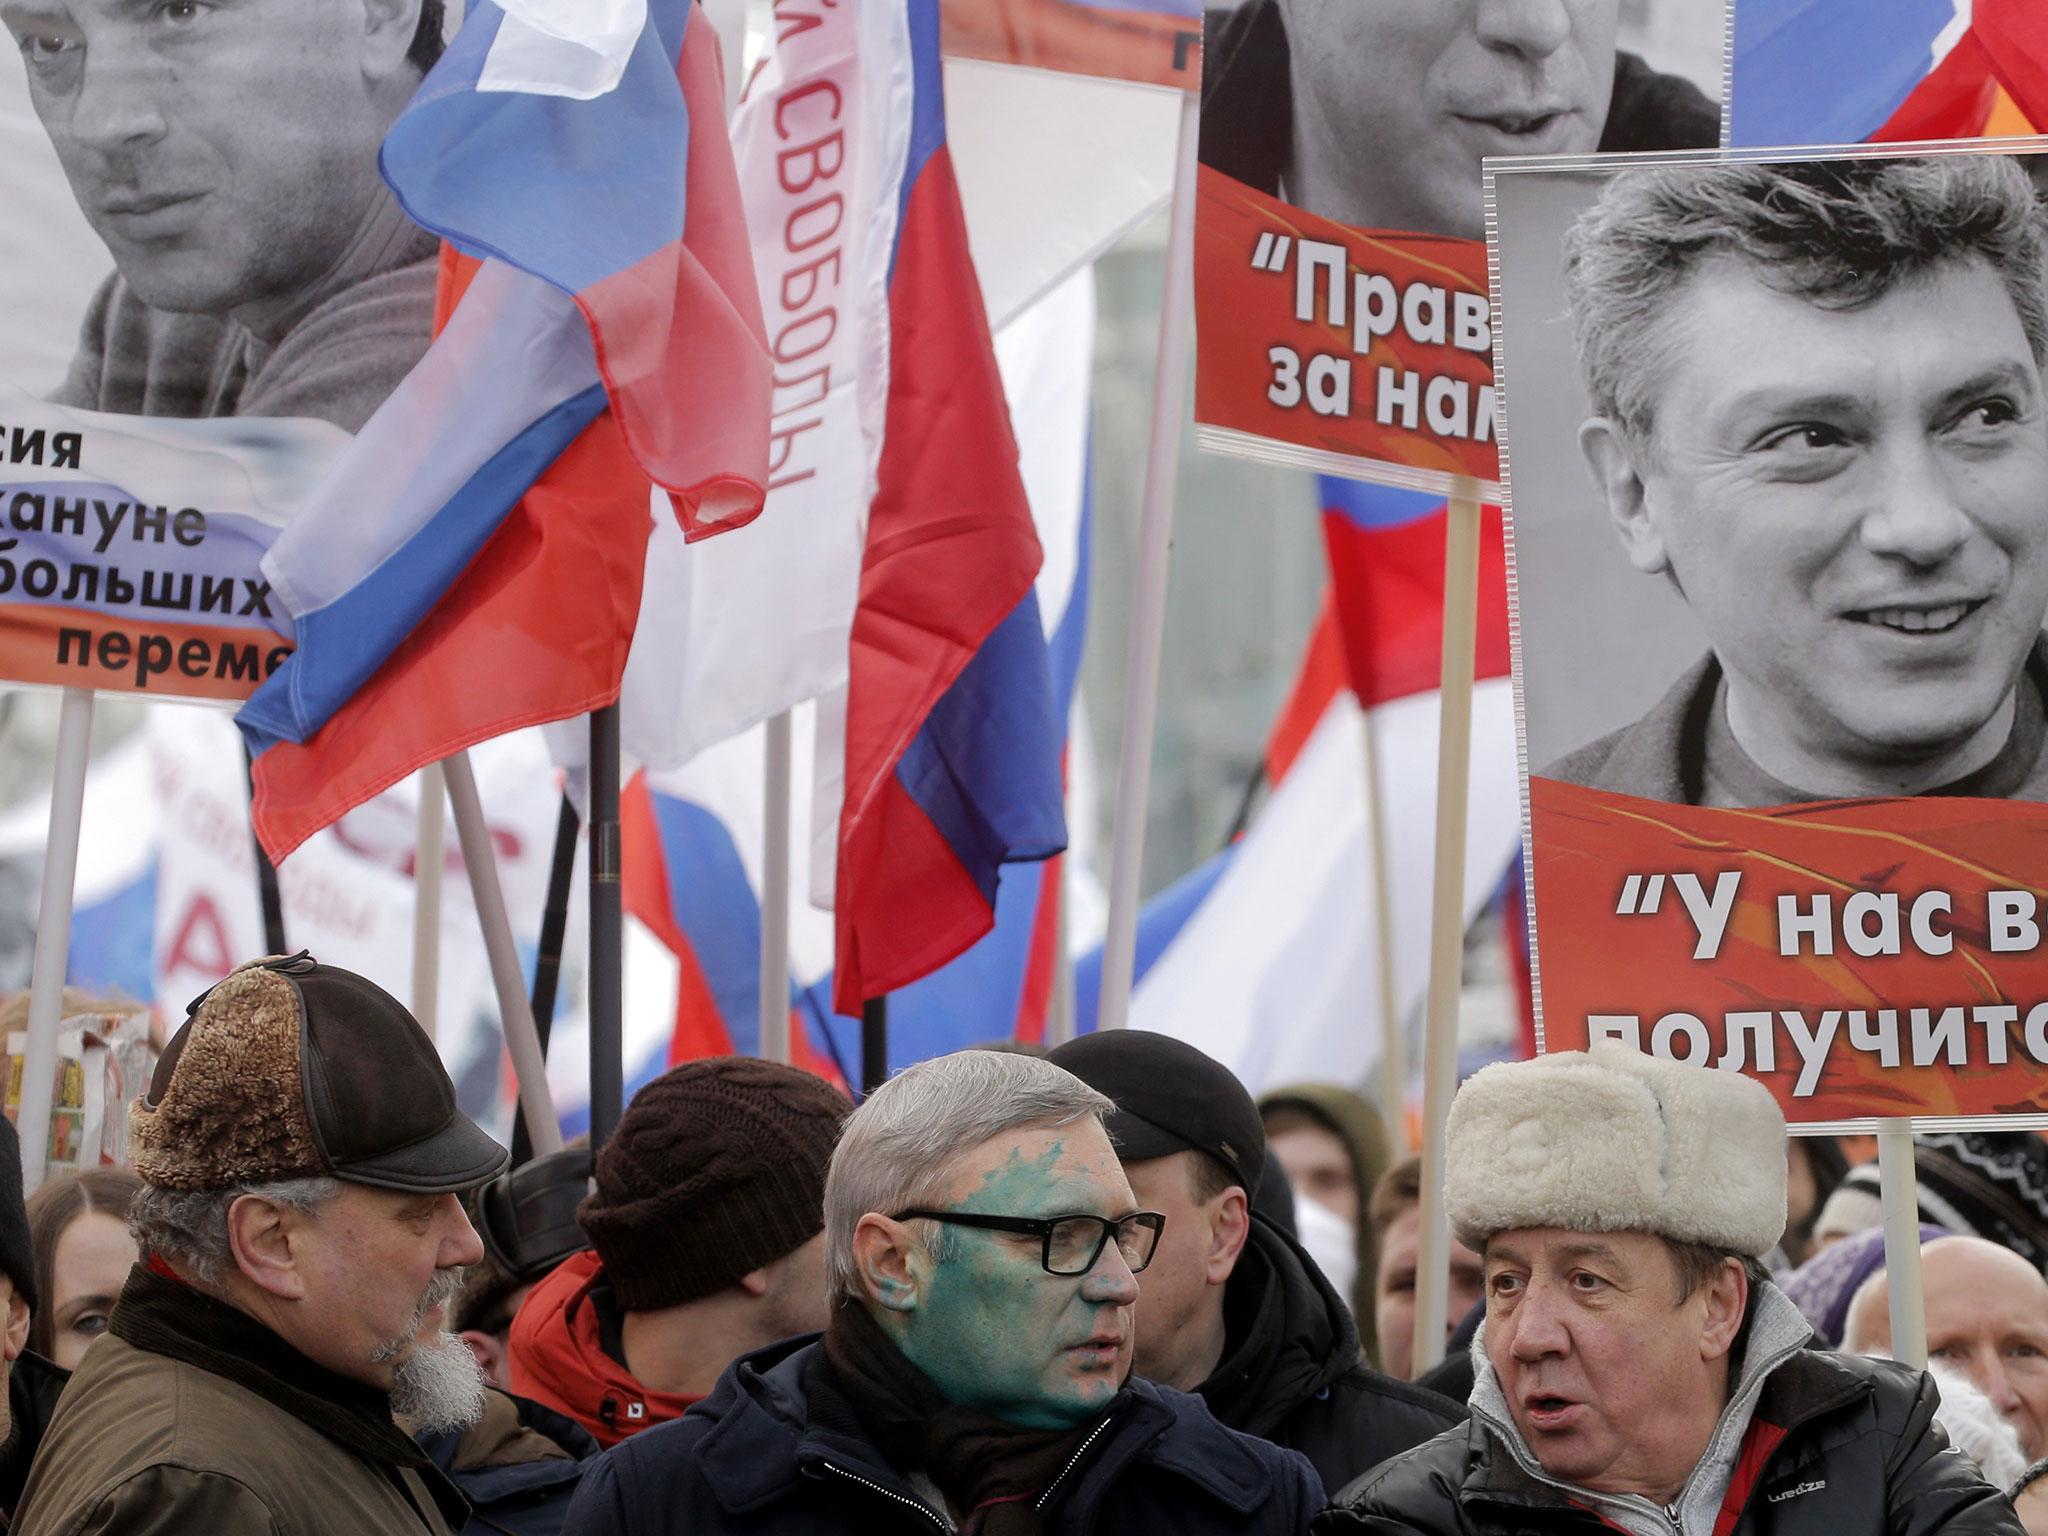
[[1612, 1140]]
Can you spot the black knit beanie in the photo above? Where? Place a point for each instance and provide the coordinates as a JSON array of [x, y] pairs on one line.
[[717, 1168]]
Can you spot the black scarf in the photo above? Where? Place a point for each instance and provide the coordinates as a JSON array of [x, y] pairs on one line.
[[987, 1467], [165, 1316]]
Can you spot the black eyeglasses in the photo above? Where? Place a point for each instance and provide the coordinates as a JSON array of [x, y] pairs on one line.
[[1070, 1245]]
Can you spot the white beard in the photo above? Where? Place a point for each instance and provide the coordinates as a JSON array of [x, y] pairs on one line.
[[438, 1385]]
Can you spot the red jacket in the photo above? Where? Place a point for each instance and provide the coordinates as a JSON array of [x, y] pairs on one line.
[[557, 1359]]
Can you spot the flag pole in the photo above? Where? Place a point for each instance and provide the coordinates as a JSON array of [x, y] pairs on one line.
[[1447, 915], [53, 933], [777, 768], [874, 1044], [430, 846], [515, 1013], [1060, 1020], [1148, 609], [1393, 1045], [547, 967], [607, 931], [267, 893], [1899, 1193]]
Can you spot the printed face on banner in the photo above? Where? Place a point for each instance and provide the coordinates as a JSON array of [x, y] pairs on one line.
[[1781, 575], [216, 249], [1340, 274]]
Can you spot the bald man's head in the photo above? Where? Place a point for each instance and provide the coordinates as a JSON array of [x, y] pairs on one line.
[[1987, 1317]]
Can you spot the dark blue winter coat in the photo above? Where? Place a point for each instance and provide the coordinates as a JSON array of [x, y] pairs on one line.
[[777, 1450], [518, 1466]]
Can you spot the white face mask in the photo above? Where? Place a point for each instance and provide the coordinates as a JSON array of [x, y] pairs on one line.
[[1331, 1241]]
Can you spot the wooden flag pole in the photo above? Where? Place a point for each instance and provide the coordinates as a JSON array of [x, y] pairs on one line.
[[1899, 1193], [1148, 607], [429, 859], [1393, 1045], [778, 768], [1447, 916], [607, 931], [514, 1010], [53, 933]]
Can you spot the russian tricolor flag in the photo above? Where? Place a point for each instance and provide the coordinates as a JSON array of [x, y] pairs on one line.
[[611, 337], [1386, 550], [1851, 71], [693, 834], [952, 742]]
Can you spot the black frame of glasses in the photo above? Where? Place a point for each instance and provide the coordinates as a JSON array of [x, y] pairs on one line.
[[1041, 1227]]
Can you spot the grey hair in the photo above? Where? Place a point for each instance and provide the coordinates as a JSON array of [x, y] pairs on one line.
[[1840, 234], [899, 1147], [190, 1226]]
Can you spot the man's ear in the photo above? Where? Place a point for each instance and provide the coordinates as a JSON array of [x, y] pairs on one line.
[[1230, 1226], [754, 1282], [490, 1353], [388, 30], [261, 1238], [1726, 1300], [1612, 458], [893, 1264], [16, 1338]]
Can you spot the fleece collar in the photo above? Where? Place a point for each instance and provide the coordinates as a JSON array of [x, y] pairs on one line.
[[1776, 1332]]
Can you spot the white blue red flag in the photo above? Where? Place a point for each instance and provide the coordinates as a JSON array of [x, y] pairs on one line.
[[610, 338], [1851, 71], [952, 744]]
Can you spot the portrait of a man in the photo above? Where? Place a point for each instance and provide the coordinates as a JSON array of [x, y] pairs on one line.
[[226, 153], [1377, 113], [1818, 416]]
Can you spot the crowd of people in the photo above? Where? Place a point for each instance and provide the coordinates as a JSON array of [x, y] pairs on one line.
[[1093, 1289]]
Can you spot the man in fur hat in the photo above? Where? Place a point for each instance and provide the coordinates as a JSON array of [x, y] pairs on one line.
[[1636, 1369]]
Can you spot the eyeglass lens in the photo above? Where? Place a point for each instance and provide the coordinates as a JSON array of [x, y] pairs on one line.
[[1077, 1242]]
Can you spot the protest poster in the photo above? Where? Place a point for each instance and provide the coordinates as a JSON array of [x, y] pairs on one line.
[[1885, 71], [210, 291], [1341, 302], [1777, 496]]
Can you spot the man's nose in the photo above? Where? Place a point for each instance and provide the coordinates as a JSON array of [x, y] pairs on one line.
[[1111, 1280], [1537, 1327], [115, 105], [1918, 516], [1988, 1371], [1534, 28], [460, 1246]]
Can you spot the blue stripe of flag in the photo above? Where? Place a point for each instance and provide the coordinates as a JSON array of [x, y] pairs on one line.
[[1828, 71], [343, 644], [1374, 506], [546, 183]]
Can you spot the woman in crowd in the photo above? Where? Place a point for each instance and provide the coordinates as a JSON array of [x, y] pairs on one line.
[[78, 1227]]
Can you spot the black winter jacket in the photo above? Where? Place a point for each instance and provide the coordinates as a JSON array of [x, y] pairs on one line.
[[1861, 1454], [1292, 1372], [777, 1450]]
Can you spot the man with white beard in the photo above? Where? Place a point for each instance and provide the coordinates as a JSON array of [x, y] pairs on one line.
[[302, 1234]]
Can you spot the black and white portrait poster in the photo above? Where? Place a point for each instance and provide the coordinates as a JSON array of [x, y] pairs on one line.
[[1777, 471], [209, 291]]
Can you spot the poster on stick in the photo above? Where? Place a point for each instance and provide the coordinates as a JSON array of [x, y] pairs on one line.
[[1777, 477], [1341, 302], [211, 292]]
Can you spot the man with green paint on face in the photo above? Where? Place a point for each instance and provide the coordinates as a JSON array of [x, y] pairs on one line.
[[984, 1253]]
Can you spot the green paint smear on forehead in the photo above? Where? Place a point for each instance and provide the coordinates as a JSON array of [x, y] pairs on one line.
[[1012, 1188]]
